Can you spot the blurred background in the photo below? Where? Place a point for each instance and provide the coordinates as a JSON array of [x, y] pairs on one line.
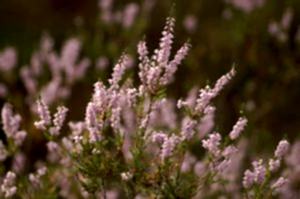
[[260, 37]]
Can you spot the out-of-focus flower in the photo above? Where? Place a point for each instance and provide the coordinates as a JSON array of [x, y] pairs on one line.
[[35, 178], [102, 63], [106, 12], [190, 23], [207, 121], [3, 90], [187, 163], [3, 151], [126, 176], [279, 184], [199, 168], [19, 162], [274, 165], [8, 59], [8, 186], [279, 30], [11, 125], [11, 122], [286, 18], [282, 149], [129, 14], [246, 5]]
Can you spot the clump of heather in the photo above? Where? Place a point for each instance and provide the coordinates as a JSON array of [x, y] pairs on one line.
[[133, 140]]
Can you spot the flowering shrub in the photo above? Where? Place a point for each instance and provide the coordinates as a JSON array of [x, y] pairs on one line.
[[134, 141]]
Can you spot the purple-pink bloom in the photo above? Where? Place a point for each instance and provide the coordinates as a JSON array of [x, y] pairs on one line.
[[207, 94], [92, 124], [118, 71], [238, 128], [188, 128], [259, 171], [248, 179], [11, 122], [276, 186], [212, 143], [59, 118], [44, 115], [129, 14], [282, 149], [8, 187], [8, 59], [168, 146]]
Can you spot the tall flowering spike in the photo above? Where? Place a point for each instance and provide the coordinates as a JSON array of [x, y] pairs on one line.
[[100, 96], [11, 122], [257, 176], [207, 94], [119, 70], [171, 68], [207, 121], [130, 95], [153, 75], [44, 115], [248, 179], [8, 187], [223, 81], [158, 70], [59, 118], [282, 149], [143, 51], [188, 128], [238, 128], [92, 123], [144, 64], [259, 171], [205, 97], [165, 45], [168, 146], [116, 119], [212, 143]]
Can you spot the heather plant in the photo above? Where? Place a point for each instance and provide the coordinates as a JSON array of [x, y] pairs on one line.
[[134, 140]]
